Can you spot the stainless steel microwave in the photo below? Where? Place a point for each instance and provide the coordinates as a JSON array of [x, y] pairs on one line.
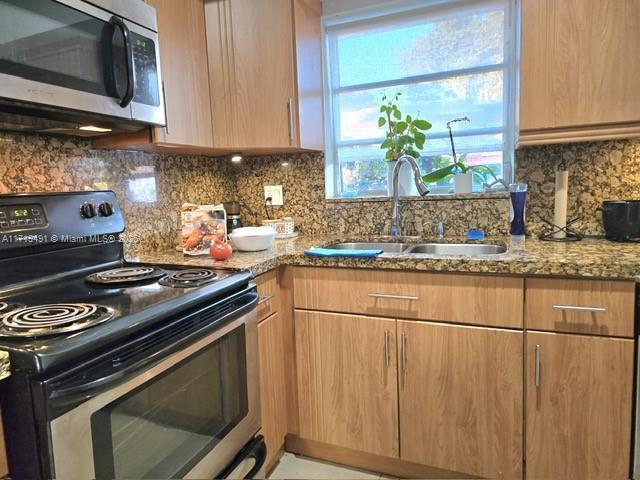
[[76, 61]]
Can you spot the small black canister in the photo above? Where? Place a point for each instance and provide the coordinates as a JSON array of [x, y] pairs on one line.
[[621, 219]]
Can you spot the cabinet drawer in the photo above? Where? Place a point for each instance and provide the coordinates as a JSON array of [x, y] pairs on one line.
[[580, 306], [471, 299], [268, 298]]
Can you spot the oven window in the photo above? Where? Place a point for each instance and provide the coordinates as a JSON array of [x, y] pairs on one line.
[[47, 42], [166, 426]]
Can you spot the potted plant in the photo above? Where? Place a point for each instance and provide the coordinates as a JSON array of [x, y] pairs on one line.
[[462, 174], [404, 136]]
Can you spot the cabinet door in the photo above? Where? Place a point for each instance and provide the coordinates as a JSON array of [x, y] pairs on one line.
[[185, 73], [347, 381], [461, 398], [273, 388], [251, 58], [579, 63], [578, 410]]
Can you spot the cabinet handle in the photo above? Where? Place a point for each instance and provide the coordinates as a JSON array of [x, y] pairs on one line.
[[265, 299], [580, 309], [537, 368], [405, 346], [164, 101], [387, 352], [291, 125], [393, 297]]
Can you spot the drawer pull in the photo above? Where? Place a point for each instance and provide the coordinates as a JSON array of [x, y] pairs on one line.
[[394, 297], [387, 351], [570, 308], [537, 368], [265, 299]]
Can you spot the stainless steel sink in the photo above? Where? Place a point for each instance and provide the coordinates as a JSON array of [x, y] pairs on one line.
[[462, 249], [456, 249], [386, 247]]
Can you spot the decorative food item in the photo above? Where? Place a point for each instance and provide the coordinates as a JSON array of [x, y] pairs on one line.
[[252, 239], [283, 226], [220, 251], [202, 226]]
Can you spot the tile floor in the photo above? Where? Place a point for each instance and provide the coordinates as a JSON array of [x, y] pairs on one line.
[[296, 467]]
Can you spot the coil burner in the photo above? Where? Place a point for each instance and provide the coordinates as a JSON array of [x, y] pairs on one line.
[[54, 319], [126, 275], [189, 278]]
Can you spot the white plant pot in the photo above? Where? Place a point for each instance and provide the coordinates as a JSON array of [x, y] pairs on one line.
[[405, 180], [462, 183]]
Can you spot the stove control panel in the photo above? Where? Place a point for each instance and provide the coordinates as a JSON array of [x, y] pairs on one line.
[[22, 217], [71, 218]]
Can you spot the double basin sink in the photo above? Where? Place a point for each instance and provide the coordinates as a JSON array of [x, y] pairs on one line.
[[443, 249]]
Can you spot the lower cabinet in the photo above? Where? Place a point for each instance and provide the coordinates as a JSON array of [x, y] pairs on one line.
[[347, 381], [578, 406], [461, 398], [273, 400]]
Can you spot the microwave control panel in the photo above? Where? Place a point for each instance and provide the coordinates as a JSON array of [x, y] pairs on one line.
[[22, 217], [144, 60]]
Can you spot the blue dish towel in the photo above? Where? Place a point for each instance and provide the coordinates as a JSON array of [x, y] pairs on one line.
[[334, 252]]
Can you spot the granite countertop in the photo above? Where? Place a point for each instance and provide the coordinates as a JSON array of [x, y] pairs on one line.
[[588, 258]]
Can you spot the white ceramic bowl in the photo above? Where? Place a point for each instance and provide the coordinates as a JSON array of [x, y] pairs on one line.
[[252, 239]]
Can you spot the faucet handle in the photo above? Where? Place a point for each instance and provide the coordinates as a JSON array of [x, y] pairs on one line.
[[439, 227]]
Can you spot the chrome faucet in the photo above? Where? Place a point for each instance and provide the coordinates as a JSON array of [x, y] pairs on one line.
[[396, 214]]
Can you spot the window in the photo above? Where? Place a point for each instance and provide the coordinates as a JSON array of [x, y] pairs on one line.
[[448, 59]]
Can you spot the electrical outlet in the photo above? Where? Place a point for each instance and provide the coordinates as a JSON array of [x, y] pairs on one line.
[[275, 192]]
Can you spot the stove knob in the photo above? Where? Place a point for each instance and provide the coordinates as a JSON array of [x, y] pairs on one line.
[[105, 209], [88, 210]]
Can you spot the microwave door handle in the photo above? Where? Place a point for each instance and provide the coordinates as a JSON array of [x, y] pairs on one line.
[[131, 80]]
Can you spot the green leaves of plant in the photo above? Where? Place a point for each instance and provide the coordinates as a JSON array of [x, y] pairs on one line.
[[422, 125], [400, 127], [437, 175], [403, 137]]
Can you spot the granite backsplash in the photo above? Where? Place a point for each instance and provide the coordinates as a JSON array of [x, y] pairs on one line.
[[151, 188], [598, 171]]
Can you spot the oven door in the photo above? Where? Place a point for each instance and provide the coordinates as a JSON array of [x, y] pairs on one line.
[[186, 417], [68, 54]]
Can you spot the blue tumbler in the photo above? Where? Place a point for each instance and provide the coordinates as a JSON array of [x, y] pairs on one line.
[[518, 192]]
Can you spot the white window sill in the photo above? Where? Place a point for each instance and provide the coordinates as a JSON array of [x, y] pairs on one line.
[[435, 197]]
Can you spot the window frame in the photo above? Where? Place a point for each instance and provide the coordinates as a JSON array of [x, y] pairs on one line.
[[333, 189]]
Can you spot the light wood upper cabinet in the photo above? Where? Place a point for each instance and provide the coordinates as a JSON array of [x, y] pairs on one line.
[[273, 388], [265, 79], [185, 75], [461, 398], [347, 381], [578, 406], [579, 70]]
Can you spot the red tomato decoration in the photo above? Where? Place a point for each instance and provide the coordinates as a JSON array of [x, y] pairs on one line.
[[220, 251]]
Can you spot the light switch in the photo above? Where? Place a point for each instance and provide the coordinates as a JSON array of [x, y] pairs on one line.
[[275, 192]]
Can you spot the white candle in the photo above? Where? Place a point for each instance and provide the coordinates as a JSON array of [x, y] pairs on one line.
[[560, 212]]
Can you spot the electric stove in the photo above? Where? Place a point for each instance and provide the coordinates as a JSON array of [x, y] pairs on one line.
[[79, 323]]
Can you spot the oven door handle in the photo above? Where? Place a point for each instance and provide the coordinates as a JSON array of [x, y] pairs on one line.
[[85, 390], [131, 79]]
